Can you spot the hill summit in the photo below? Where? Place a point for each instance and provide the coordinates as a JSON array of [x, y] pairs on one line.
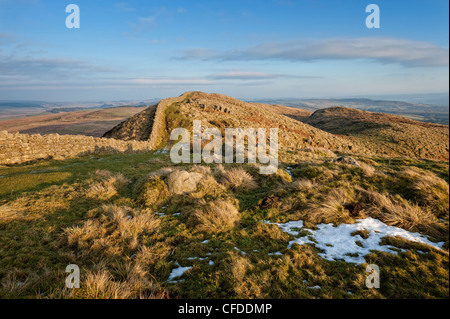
[[220, 111]]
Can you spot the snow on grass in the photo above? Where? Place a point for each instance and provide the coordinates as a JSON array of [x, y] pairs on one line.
[[289, 171], [276, 254], [339, 244], [177, 272]]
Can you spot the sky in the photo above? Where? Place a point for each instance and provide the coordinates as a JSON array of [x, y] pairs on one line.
[[249, 49]]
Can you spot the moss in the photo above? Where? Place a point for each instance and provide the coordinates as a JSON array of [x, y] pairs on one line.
[[152, 192]]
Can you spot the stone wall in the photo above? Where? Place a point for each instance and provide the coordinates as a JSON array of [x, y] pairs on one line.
[[18, 148], [159, 119]]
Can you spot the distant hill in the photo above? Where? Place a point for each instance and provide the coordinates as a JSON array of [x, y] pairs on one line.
[[385, 134], [337, 128], [87, 122], [418, 111]]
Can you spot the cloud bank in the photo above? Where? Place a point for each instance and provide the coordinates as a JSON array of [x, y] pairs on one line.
[[384, 50]]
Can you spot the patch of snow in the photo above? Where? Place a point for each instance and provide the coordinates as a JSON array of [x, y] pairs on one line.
[[195, 258], [211, 263], [177, 272], [205, 241], [288, 170], [176, 214], [276, 254], [315, 287], [160, 214], [338, 243]]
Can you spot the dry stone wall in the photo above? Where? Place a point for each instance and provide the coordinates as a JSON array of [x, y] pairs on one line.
[[18, 148], [159, 119]]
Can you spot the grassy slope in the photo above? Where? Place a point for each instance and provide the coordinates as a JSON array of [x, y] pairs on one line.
[[56, 213], [48, 198], [385, 134]]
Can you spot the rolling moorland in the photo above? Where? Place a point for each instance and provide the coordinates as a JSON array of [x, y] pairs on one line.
[[353, 188], [83, 122], [433, 109]]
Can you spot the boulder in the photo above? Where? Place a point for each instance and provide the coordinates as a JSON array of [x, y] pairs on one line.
[[182, 182]]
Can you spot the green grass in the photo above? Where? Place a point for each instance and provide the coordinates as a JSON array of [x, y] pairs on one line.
[[49, 197]]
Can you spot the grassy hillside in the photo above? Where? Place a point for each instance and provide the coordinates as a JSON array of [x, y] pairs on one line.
[[220, 111], [120, 218], [139, 226], [385, 134]]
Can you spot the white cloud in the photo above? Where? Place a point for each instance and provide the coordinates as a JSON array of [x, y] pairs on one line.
[[123, 7], [253, 75], [384, 50]]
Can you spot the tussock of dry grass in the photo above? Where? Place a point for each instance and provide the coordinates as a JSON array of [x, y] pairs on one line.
[[368, 170], [127, 223], [108, 186], [204, 170], [208, 186], [216, 216], [330, 208], [131, 223], [396, 211], [239, 178], [81, 235], [101, 284], [304, 185], [239, 267], [318, 152], [219, 170], [431, 191], [151, 191], [316, 173]]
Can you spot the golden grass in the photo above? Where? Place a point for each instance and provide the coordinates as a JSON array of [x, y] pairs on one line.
[[108, 185], [151, 192], [330, 208], [239, 178], [131, 223], [216, 216], [8, 214], [304, 185], [396, 211]]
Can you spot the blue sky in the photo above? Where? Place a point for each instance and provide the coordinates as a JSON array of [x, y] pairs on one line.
[[246, 48]]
